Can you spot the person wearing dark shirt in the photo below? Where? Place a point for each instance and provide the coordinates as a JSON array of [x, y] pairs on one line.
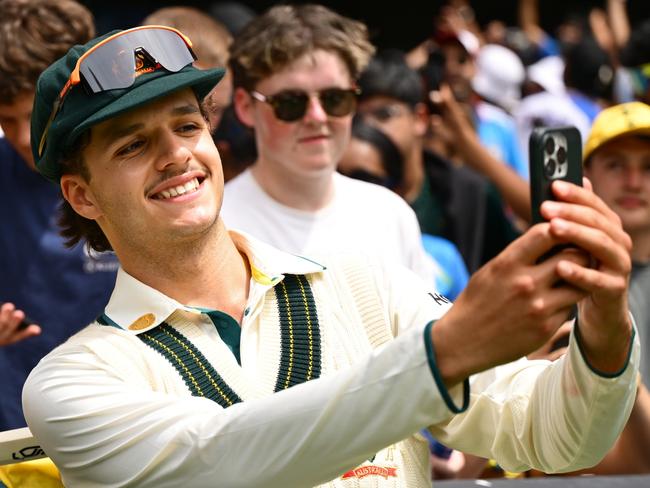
[[450, 201], [53, 290]]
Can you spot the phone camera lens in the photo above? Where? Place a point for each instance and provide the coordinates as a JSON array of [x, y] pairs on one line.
[[549, 145], [549, 168], [561, 155]]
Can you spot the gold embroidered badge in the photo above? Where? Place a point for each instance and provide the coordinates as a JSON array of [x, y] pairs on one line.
[[143, 322]]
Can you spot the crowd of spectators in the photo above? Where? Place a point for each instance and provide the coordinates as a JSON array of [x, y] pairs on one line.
[[443, 126]]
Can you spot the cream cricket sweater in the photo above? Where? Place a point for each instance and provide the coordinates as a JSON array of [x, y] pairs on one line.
[[314, 390]]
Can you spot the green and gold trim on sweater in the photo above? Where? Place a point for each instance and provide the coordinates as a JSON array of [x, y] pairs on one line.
[[197, 372], [300, 357], [300, 340]]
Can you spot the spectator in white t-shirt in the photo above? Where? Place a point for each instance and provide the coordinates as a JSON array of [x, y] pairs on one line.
[[300, 104]]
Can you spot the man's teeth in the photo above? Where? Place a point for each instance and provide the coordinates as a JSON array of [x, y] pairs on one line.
[[188, 187]]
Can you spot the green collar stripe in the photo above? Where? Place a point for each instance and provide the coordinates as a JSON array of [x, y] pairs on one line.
[[197, 373], [173, 358], [103, 319], [300, 346], [300, 358]]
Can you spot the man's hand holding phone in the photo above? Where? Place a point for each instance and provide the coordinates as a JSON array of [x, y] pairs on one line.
[[15, 326], [580, 218]]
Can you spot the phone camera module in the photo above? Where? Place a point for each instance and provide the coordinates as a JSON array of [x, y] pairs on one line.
[[556, 162], [549, 145], [549, 168]]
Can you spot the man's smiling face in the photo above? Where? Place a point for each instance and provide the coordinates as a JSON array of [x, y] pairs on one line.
[[155, 176]]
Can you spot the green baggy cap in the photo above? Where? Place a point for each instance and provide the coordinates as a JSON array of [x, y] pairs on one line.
[[81, 109]]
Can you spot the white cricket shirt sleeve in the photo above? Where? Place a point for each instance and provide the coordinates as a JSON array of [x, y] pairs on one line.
[[103, 425], [554, 417]]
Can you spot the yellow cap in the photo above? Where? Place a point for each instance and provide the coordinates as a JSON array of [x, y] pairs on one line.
[[620, 120]]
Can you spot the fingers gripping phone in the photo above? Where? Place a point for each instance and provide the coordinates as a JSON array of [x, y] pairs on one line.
[[554, 154]]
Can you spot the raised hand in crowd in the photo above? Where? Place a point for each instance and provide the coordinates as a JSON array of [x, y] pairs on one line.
[[13, 325], [467, 144]]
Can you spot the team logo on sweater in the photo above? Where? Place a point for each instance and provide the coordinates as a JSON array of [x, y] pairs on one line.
[[439, 299], [372, 470]]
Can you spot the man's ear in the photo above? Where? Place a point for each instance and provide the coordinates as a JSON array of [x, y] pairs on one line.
[[244, 106], [77, 193]]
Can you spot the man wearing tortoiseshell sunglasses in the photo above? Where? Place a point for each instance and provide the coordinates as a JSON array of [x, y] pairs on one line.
[[292, 196], [221, 361]]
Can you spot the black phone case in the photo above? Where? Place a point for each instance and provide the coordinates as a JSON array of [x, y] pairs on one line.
[[545, 149]]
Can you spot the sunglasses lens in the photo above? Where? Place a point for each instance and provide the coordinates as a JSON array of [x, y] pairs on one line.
[[118, 71], [113, 64], [290, 106], [338, 102]]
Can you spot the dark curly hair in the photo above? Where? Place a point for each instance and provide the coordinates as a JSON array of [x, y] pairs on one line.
[[389, 75], [284, 33], [34, 34], [74, 227]]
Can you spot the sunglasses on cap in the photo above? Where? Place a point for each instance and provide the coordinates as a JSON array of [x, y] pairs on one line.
[[118, 60], [291, 105]]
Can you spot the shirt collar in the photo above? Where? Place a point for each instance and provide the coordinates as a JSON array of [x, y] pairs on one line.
[[137, 307]]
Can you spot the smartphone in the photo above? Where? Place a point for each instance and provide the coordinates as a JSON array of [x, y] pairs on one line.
[[554, 154]]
